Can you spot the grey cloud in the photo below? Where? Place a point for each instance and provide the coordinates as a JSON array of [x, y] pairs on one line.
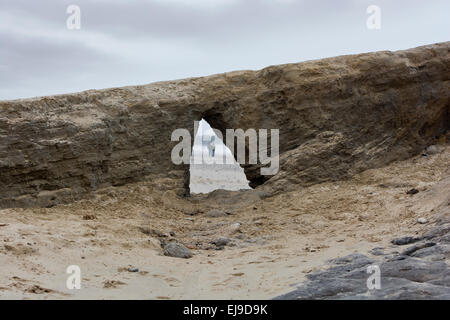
[[135, 42]]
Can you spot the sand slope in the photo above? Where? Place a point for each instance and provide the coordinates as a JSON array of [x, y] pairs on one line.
[[280, 239]]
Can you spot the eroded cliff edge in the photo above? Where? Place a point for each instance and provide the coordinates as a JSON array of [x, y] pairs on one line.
[[337, 116]]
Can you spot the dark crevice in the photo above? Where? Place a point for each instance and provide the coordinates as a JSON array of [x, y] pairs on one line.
[[252, 171]]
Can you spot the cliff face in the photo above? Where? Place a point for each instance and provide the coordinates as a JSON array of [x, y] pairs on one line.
[[336, 117]]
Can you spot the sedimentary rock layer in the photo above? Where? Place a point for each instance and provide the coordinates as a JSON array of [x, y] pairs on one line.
[[336, 117]]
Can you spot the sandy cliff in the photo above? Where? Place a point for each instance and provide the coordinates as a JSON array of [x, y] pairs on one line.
[[336, 116]]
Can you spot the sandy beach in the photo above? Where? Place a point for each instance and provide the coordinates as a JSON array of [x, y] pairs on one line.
[[274, 242]]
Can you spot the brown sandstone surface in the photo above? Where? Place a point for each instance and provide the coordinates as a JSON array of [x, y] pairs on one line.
[[336, 116]]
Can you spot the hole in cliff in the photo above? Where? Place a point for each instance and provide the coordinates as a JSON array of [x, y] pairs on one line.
[[215, 118], [212, 164]]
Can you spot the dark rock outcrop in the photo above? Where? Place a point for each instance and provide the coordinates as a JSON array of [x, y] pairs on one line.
[[421, 271], [336, 116]]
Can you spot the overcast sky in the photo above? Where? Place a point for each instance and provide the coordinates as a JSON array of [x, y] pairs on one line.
[[200, 150], [127, 42]]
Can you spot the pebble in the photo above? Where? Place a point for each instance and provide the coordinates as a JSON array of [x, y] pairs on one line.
[[177, 250], [236, 227], [404, 240], [363, 217], [377, 251], [422, 220], [216, 214], [432, 149], [412, 191], [220, 242]]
